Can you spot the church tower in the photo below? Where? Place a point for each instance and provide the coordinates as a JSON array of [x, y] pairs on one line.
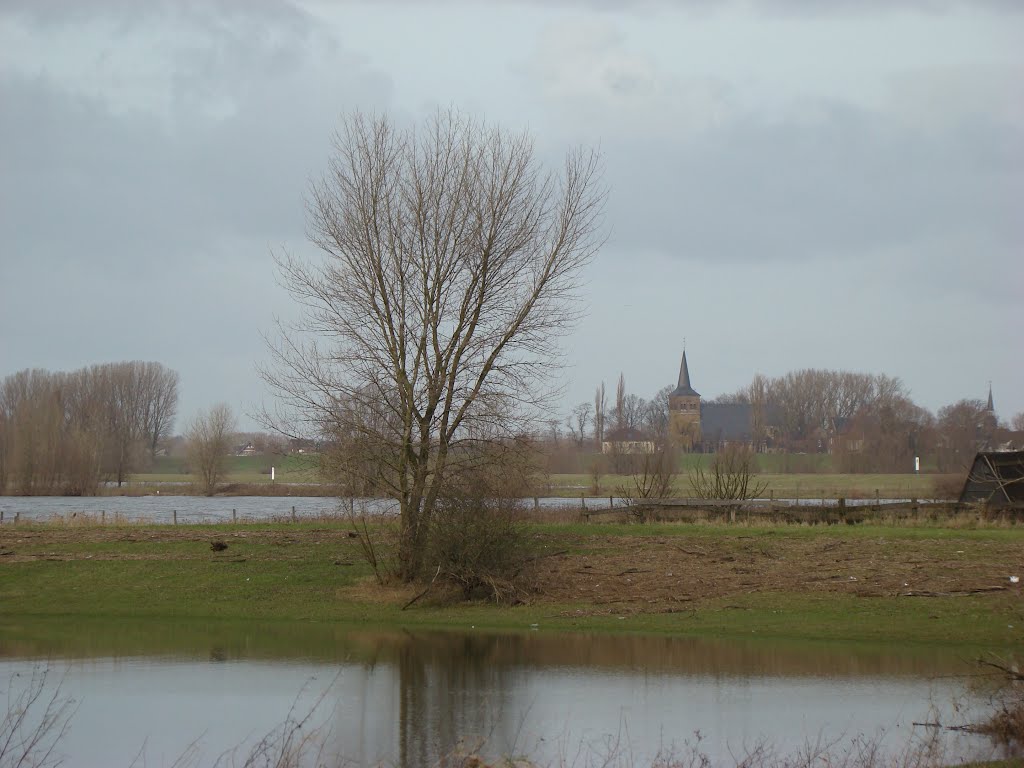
[[684, 411]]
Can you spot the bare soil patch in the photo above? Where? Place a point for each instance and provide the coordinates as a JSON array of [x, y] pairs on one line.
[[671, 574]]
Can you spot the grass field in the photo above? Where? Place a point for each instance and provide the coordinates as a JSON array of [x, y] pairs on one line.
[[912, 585], [240, 469], [255, 470], [800, 486]]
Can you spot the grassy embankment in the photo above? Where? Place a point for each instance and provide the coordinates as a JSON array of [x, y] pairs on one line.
[[907, 585], [790, 486], [251, 474]]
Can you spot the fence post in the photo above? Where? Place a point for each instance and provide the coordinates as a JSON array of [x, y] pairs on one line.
[[877, 507], [103, 516], [611, 503], [536, 503], [352, 505], [234, 515], [293, 513], [1, 517], [17, 517], [175, 513]]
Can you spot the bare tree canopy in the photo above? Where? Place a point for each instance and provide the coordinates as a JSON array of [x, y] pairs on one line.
[[450, 271], [208, 442], [65, 432]]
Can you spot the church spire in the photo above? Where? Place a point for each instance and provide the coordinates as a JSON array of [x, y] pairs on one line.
[[683, 387], [988, 407]]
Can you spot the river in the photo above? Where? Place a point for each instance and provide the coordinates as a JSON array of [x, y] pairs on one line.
[[221, 509]]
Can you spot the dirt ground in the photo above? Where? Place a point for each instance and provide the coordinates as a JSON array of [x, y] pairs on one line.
[[661, 575], [620, 573]]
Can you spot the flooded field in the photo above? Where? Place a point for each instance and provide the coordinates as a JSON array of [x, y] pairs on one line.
[[404, 698]]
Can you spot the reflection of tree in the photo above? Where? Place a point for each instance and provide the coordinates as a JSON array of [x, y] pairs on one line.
[[451, 688], [441, 689]]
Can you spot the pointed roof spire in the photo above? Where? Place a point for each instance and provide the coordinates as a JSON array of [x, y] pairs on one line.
[[684, 388], [989, 407]]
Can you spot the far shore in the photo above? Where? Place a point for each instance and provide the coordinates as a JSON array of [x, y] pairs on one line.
[[778, 485]]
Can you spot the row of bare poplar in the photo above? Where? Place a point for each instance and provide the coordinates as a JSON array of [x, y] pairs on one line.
[[68, 432]]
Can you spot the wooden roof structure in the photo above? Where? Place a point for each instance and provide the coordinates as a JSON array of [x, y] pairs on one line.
[[996, 478]]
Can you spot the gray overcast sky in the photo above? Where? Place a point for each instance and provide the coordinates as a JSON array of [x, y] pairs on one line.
[[793, 183]]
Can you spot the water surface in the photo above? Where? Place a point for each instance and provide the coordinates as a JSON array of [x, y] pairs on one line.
[[403, 698]]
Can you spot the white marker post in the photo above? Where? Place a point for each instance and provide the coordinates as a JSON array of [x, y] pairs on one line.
[[271, 474], [917, 463]]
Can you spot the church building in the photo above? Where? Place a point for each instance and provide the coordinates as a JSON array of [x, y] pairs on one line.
[[708, 427], [684, 411]]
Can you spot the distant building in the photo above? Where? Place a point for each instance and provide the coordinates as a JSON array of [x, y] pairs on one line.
[[684, 412], [700, 426], [627, 441]]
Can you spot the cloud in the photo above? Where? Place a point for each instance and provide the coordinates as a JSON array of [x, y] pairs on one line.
[[713, 168], [139, 226], [831, 185], [88, 173]]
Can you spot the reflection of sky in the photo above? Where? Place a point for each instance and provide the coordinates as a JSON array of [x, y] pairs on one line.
[[545, 713]]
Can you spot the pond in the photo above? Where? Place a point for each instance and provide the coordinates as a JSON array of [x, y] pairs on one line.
[[404, 698]]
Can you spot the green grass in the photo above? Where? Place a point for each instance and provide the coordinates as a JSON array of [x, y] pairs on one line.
[[240, 469], [778, 471], [315, 574], [801, 486]]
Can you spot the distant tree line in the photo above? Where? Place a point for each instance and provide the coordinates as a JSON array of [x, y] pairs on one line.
[[867, 422], [67, 432]]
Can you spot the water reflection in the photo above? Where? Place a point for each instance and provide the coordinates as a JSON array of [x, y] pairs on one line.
[[405, 697]]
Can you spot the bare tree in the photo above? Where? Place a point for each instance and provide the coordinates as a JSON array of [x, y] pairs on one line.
[[619, 422], [757, 393], [6, 438], [125, 412], [653, 476], [1017, 422], [731, 476], [159, 404], [451, 265], [964, 428], [600, 411], [655, 416], [577, 423], [209, 439], [65, 432]]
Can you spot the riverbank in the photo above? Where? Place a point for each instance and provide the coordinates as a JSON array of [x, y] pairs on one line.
[[910, 585]]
